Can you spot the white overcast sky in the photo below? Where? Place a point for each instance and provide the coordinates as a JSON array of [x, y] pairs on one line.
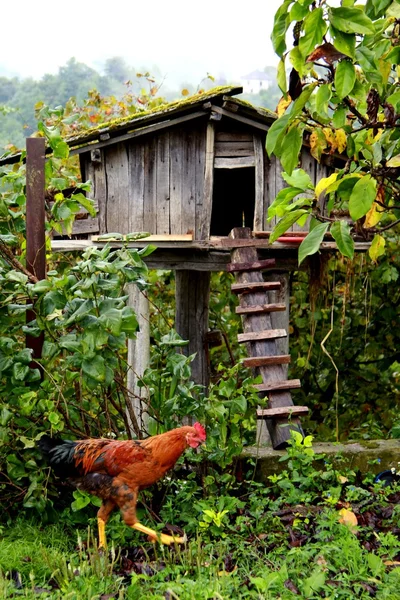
[[184, 39]]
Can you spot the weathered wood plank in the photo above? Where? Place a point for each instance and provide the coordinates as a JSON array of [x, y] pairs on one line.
[[205, 221], [257, 265], [176, 180], [188, 198], [242, 162], [199, 174], [233, 136], [259, 286], [259, 219], [264, 361], [240, 118], [234, 148], [281, 412], [257, 336], [274, 386], [150, 186], [280, 319], [269, 189], [163, 184], [136, 185], [260, 308], [116, 165]]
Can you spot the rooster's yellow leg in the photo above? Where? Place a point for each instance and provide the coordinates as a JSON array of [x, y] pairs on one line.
[[102, 532], [162, 537]]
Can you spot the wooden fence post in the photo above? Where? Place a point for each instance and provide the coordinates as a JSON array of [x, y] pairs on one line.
[[35, 226]]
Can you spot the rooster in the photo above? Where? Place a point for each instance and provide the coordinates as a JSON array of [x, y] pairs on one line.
[[116, 471]]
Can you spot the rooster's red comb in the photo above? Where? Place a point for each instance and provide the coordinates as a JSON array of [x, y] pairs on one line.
[[201, 432]]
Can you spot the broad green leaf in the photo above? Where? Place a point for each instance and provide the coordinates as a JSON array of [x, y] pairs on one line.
[[20, 371], [95, 368], [87, 203], [42, 286], [112, 320], [298, 179], [340, 231], [345, 77], [297, 60], [9, 239], [61, 149], [322, 98], [275, 133], [281, 76], [311, 243], [298, 11], [302, 100], [362, 197], [339, 117], [376, 8], [290, 149], [16, 276], [286, 222], [281, 23], [314, 27], [344, 42], [377, 247], [351, 20], [394, 10], [366, 59], [282, 199]]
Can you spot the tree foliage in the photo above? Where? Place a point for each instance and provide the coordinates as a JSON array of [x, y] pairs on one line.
[[343, 101]]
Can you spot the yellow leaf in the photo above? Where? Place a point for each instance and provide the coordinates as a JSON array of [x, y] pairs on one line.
[[373, 216], [377, 247], [317, 143], [324, 183], [330, 138], [224, 573], [342, 479], [283, 104], [347, 517], [341, 140]]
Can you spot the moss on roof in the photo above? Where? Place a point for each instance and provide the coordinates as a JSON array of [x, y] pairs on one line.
[[137, 119], [263, 112]]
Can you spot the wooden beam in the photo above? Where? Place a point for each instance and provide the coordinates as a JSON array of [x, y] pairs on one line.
[[236, 117], [274, 386], [281, 412], [242, 162], [205, 223], [138, 132], [256, 265], [257, 336], [264, 361], [260, 308], [262, 286]]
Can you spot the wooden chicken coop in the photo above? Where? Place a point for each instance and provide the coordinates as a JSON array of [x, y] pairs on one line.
[[189, 173]]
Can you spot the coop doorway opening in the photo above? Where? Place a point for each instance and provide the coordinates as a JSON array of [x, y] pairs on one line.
[[233, 200]]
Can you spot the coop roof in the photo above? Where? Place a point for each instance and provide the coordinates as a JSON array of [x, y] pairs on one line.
[[217, 99]]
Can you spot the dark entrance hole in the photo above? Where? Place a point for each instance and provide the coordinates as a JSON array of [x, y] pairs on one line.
[[233, 200]]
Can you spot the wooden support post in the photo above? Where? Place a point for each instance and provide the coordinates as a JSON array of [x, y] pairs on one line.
[[280, 320], [35, 227], [279, 430], [192, 298], [138, 358]]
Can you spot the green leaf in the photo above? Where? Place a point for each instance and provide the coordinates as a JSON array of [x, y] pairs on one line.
[[377, 247], [340, 231], [290, 149], [339, 117], [344, 42], [298, 12], [282, 199], [298, 179], [112, 320], [95, 368], [281, 76], [351, 20], [287, 221], [314, 27], [61, 149], [362, 197], [20, 371], [302, 100], [41, 286], [366, 59], [87, 203], [312, 242], [275, 133], [281, 23], [54, 418], [345, 77], [16, 276], [9, 239], [376, 8], [322, 98]]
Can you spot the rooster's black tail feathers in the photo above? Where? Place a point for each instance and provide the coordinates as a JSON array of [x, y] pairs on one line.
[[59, 454]]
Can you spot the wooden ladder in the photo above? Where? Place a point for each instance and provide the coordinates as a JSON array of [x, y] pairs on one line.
[[258, 333]]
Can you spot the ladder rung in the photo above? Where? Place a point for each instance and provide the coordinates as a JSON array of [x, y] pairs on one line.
[[257, 265], [260, 308], [280, 412], [264, 361], [261, 286], [273, 386], [257, 336]]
